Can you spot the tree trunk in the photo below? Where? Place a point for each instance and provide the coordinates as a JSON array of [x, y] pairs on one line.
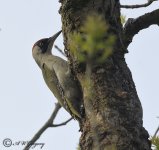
[[113, 119]]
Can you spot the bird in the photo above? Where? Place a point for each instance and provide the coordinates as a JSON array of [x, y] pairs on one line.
[[58, 76]]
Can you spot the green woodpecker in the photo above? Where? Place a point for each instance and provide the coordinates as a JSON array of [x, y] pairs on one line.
[[58, 76]]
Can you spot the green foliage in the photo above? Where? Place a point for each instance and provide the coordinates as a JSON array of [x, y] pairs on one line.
[[123, 19], [155, 142], [93, 43]]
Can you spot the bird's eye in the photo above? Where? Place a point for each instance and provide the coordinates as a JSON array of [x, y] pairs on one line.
[[41, 44]]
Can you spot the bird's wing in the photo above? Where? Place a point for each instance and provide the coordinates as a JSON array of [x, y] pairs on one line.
[[52, 83], [71, 92], [57, 76]]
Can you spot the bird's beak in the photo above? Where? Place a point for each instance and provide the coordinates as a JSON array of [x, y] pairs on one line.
[[53, 38]]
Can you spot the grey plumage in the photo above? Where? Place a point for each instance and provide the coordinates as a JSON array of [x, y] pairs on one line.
[[58, 76]]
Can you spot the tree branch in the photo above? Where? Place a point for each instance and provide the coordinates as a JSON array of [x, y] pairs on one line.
[[149, 2], [133, 26], [61, 124], [60, 50], [157, 130], [48, 124]]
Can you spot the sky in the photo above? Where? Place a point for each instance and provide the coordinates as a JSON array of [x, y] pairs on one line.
[[26, 102]]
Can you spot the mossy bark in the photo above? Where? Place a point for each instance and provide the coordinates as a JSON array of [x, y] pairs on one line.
[[113, 110]]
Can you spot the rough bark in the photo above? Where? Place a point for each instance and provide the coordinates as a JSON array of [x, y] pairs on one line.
[[113, 112]]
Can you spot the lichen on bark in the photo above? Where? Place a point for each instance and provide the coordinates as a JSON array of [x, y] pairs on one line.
[[113, 117]]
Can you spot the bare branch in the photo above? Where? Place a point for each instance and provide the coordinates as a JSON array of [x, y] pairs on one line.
[[157, 130], [61, 124], [149, 2], [133, 26], [60, 50], [48, 124]]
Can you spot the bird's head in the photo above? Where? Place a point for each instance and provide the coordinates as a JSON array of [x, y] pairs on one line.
[[45, 45]]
